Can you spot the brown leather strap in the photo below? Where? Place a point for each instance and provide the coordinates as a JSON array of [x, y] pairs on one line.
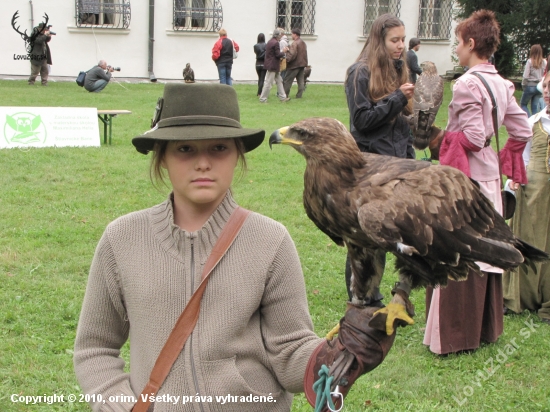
[[494, 113], [188, 318]]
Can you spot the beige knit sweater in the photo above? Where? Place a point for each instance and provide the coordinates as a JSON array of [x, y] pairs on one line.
[[254, 334]]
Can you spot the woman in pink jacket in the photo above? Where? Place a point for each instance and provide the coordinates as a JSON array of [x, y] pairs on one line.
[[464, 314]]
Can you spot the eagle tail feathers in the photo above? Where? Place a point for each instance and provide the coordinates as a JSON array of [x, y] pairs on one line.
[[497, 253], [530, 253]]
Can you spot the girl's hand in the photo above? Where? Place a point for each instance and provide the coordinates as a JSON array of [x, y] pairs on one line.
[[408, 90], [513, 185]]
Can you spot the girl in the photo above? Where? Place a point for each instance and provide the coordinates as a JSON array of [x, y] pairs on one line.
[[379, 93], [524, 288], [463, 314], [379, 97], [254, 334], [532, 75], [259, 50]]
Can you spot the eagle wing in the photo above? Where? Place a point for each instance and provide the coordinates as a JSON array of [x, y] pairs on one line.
[[430, 218], [323, 228]]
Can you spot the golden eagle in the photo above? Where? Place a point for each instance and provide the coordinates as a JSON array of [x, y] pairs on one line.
[[433, 218]]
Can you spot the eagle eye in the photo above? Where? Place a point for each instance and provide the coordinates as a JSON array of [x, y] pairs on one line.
[[302, 133]]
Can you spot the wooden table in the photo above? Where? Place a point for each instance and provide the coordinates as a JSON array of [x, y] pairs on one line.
[[107, 120]]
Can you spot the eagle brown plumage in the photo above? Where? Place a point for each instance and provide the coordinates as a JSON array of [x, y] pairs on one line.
[[427, 98], [188, 74], [433, 218]]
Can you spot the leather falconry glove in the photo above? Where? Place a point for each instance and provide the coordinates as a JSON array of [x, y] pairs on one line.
[[357, 350]]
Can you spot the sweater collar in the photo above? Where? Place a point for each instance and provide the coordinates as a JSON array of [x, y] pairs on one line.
[[172, 236]]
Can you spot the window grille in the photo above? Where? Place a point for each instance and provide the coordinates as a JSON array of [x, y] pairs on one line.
[[111, 14], [198, 15], [375, 8], [435, 18], [296, 14]]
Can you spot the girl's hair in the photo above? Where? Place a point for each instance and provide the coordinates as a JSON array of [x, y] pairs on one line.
[[536, 56], [157, 173], [384, 77], [482, 26], [261, 38]]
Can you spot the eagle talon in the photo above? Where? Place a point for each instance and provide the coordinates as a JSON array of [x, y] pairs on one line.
[[386, 318], [334, 331], [400, 294]]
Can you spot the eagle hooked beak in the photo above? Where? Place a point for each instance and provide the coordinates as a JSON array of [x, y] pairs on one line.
[[278, 137]]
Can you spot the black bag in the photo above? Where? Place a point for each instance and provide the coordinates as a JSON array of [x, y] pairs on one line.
[[80, 78], [508, 204]]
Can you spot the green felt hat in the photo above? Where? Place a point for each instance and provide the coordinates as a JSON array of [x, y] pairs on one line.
[[197, 111]]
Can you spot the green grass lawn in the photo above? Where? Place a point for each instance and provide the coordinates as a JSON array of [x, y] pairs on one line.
[[56, 202]]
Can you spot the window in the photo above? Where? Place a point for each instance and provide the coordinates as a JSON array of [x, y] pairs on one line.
[[375, 8], [296, 14], [435, 19], [198, 15], [113, 14]]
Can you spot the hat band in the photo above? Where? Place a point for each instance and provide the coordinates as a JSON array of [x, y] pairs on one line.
[[199, 121]]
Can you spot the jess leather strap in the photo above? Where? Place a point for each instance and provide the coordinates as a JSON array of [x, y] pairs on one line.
[[188, 318], [494, 113]]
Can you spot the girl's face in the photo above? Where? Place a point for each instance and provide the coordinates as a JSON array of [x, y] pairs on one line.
[[463, 52], [395, 41], [546, 90], [201, 171]]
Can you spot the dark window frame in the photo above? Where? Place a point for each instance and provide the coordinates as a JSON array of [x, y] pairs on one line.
[[290, 14], [103, 14], [435, 19], [375, 8], [197, 15]]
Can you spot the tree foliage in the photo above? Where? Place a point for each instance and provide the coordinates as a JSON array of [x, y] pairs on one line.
[[523, 23]]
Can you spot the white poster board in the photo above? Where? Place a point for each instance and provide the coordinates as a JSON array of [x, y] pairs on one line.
[[48, 126]]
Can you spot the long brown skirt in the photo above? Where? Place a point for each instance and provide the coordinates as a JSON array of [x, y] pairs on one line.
[[464, 314]]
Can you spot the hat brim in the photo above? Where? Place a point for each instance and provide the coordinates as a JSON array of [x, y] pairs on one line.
[[252, 138]]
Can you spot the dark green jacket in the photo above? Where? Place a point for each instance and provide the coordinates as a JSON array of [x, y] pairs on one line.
[[41, 50]]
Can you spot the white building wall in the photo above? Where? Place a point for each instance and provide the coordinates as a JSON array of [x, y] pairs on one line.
[[337, 41]]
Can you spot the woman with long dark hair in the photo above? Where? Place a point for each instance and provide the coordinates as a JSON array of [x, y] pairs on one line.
[[259, 50]]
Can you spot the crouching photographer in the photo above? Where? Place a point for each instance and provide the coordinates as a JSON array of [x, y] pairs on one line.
[[98, 77]]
